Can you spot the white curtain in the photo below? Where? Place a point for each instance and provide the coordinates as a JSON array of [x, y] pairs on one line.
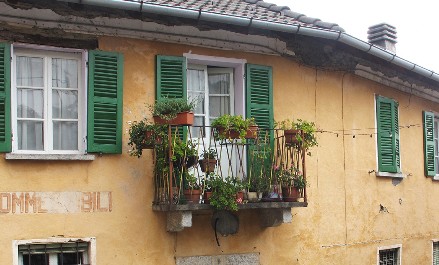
[[30, 103]]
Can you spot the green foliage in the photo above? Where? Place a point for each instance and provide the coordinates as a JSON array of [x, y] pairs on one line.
[[224, 192], [191, 181], [168, 108], [183, 149], [138, 136], [290, 177], [209, 153], [233, 123], [308, 128]]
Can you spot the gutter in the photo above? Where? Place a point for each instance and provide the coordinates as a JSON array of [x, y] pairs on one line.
[[138, 5]]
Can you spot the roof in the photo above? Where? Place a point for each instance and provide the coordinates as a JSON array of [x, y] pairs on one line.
[[255, 9]]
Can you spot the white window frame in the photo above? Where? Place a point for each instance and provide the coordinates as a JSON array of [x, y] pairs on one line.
[[82, 55], [55, 240], [397, 246]]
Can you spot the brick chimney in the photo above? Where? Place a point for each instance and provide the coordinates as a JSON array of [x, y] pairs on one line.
[[383, 35]]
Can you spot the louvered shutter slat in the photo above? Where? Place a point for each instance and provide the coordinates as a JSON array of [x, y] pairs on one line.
[[105, 102], [429, 146], [5, 98]]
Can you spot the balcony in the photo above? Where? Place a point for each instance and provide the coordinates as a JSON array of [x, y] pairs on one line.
[[264, 161]]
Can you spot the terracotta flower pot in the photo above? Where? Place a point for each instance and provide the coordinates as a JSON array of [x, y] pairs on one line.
[[252, 132], [192, 196], [291, 136], [151, 140], [207, 165], [183, 118], [206, 197], [290, 193]]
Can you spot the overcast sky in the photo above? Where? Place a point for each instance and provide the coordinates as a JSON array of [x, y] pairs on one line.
[[416, 26]]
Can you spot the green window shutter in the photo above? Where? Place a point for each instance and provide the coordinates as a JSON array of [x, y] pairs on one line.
[[429, 147], [105, 84], [388, 135], [5, 98], [171, 81], [259, 105], [171, 77], [259, 96]]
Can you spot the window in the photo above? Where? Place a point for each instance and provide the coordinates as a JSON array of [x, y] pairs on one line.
[[436, 253], [431, 155], [49, 95], [55, 104], [387, 135], [56, 251], [222, 86], [389, 255]]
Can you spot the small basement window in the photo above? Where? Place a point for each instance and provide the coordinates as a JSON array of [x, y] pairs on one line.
[[389, 255], [436, 253], [54, 252]]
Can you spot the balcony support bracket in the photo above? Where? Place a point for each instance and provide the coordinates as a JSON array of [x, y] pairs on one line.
[[275, 217], [178, 220]]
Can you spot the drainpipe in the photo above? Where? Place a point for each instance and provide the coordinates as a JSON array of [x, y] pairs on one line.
[[339, 36]]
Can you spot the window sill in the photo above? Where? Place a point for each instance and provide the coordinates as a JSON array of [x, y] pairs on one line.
[[436, 177], [390, 175], [78, 157]]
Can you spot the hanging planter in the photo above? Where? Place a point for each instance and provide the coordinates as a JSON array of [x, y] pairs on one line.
[[151, 139], [252, 132], [207, 165], [173, 111], [291, 137]]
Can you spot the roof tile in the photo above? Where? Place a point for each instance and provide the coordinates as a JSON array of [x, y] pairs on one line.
[[256, 9]]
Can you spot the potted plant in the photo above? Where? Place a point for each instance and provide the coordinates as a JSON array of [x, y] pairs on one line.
[[184, 153], [292, 183], [299, 133], [173, 111], [144, 135], [257, 184], [209, 160], [235, 127], [192, 189], [207, 189], [224, 193]]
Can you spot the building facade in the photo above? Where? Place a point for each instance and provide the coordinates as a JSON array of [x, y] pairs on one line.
[[75, 75]]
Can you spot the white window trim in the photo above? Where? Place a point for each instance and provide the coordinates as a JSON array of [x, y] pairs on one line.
[[82, 106], [377, 172], [90, 240], [399, 246], [239, 72]]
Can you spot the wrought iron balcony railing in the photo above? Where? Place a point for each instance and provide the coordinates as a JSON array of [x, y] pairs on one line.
[[269, 162]]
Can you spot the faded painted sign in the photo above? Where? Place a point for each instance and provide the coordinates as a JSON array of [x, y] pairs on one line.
[[55, 202]]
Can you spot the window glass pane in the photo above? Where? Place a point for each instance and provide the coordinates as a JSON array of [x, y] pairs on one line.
[[35, 259], [30, 135], [65, 135], [219, 105], [64, 73], [29, 71], [219, 83], [196, 80], [30, 103], [64, 104], [196, 89], [197, 130], [70, 258]]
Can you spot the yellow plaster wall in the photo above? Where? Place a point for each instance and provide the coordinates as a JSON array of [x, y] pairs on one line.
[[341, 225]]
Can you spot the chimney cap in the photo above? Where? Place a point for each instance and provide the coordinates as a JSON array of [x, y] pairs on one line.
[[383, 35]]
